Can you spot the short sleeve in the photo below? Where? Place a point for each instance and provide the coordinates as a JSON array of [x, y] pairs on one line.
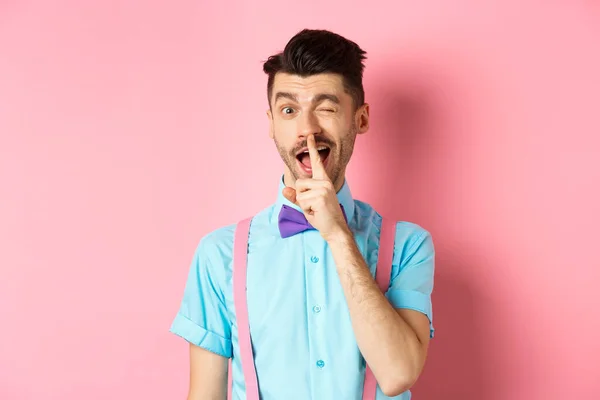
[[202, 318], [413, 268]]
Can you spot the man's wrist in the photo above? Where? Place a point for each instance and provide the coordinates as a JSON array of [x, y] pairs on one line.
[[342, 236]]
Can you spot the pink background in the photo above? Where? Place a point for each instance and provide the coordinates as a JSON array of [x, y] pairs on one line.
[[130, 129]]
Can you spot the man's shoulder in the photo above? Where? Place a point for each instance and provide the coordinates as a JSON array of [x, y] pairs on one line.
[[406, 231], [217, 244], [220, 239], [410, 229]]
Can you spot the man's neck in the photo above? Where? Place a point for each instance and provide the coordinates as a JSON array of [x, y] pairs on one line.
[[290, 181]]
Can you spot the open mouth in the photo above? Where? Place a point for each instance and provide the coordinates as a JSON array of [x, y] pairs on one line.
[[303, 157]]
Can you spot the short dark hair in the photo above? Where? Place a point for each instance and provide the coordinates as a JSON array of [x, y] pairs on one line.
[[315, 51]]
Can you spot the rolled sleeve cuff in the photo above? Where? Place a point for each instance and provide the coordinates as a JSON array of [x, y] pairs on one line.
[[413, 300], [187, 329]]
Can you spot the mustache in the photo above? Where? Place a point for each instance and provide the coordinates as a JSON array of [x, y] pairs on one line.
[[324, 142]]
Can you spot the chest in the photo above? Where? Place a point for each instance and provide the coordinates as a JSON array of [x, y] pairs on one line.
[[301, 331], [293, 284]]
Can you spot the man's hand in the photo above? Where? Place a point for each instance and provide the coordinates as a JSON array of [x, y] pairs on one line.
[[317, 197]]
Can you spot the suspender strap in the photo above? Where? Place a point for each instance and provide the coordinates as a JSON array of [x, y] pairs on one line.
[[240, 258], [382, 276]]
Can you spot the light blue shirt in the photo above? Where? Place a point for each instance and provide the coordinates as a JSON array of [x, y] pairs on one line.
[[304, 345]]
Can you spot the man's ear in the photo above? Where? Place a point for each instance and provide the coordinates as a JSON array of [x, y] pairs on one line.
[[271, 129], [362, 118]]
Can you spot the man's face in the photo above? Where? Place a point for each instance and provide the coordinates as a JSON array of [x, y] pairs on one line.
[[319, 105]]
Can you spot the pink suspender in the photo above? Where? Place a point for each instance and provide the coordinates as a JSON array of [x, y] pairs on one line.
[[382, 276], [240, 259]]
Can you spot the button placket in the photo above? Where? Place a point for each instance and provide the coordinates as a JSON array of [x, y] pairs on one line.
[[315, 307]]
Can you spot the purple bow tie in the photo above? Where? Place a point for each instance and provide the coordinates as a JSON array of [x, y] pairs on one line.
[[292, 221]]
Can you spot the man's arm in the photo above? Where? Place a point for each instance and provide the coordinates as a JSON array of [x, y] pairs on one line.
[[394, 342], [208, 375], [203, 320]]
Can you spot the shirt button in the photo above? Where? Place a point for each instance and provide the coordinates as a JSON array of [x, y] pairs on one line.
[[320, 363], [314, 259], [316, 309]]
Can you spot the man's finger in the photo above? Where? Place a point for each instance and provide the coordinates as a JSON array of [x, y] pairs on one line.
[[318, 170], [304, 185], [290, 194]]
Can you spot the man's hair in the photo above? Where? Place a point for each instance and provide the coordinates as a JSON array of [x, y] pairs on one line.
[[312, 52]]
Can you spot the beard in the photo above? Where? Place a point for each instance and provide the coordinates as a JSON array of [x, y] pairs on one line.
[[337, 160]]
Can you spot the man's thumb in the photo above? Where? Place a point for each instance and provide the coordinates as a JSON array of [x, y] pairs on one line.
[[290, 194]]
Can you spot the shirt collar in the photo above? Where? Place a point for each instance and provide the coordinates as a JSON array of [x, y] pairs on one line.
[[344, 197]]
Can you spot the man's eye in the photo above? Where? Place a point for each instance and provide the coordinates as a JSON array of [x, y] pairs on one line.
[[287, 110], [327, 109]]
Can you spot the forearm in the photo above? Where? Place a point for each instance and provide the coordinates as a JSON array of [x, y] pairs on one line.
[[389, 345], [208, 375]]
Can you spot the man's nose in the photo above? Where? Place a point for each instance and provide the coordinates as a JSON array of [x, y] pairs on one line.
[[308, 124]]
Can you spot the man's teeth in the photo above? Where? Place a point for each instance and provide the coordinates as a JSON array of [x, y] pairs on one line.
[[318, 149]]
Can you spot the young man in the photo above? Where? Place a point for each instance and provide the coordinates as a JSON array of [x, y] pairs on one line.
[[293, 299]]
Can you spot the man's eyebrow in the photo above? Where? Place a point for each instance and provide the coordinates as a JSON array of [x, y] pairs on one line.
[[286, 95], [325, 96]]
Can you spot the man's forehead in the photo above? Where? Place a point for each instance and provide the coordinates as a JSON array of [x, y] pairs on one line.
[[305, 88]]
